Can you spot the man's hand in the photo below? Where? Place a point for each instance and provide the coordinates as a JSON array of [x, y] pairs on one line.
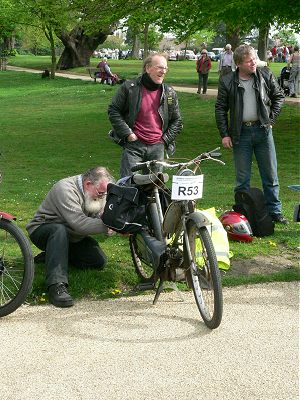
[[111, 232], [226, 142], [132, 137]]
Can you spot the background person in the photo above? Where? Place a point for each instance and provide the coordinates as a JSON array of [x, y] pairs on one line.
[[145, 115], [279, 54], [285, 53], [61, 227], [253, 100], [105, 73], [274, 53], [226, 63], [294, 78], [203, 66]]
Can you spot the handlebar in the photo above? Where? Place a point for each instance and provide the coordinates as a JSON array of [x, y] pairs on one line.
[[140, 166], [210, 155]]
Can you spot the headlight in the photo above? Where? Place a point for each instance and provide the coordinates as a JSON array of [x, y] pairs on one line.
[[186, 172]]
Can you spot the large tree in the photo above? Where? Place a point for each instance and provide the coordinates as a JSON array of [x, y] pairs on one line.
[[81, 26], [97, 21], [71, 23], [142, 24]]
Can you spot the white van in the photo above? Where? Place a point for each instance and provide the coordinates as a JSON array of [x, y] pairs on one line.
[[218, 51]]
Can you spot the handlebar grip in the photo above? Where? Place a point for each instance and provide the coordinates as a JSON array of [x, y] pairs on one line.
[[215, 151], [141, 165], [137, 167]]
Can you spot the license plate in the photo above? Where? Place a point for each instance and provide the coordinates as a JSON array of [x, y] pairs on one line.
[[187, 187]]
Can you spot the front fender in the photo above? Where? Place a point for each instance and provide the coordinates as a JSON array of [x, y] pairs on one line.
[[199, 218], [8, 217]]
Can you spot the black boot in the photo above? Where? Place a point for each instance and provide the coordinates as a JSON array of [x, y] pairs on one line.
[[59, 296]]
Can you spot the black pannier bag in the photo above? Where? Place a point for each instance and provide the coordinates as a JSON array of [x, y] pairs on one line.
[[124, 211], [252, 204]]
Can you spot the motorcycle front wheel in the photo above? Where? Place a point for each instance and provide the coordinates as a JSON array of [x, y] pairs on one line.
[[203, 274]]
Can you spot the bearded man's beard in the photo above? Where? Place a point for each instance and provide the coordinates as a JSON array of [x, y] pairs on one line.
[[92, 205]]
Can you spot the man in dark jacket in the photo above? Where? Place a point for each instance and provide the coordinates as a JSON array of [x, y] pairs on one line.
[[145, 116], [253, 100]]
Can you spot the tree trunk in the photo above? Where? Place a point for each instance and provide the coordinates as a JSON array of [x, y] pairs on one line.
[[79, 47], [146, 41], [263, 39], [9, 42], [135, 48], [233, 36], [53, 60], [50, 36]]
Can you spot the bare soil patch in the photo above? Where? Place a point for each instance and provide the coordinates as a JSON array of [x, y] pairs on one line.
[[263, 265]]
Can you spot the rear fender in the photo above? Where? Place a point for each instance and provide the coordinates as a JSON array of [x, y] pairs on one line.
[[8, 217]]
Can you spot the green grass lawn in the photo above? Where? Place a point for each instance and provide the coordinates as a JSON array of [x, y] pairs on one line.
[[180, 72], [50, 129]]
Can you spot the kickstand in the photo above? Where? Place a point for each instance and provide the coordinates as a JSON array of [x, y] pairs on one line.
[[166, 285]]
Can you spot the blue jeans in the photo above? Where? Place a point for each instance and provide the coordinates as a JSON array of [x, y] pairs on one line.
[[294, 80], [138, 151], [258, 140]]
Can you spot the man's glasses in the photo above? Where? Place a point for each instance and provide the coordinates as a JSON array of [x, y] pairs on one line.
[[101, 195], [159, 68]]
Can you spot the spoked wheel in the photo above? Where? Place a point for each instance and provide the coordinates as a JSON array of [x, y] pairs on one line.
[[204, 275], [143, 267], [16, 267]]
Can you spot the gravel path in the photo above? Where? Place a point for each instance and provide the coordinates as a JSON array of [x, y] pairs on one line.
[[128, 349]]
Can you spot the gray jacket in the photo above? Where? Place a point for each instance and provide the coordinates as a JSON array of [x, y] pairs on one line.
[[269, 97], [126, 104], [64, 204]]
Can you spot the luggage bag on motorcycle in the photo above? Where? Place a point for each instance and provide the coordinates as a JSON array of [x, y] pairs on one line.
[[124, 211], [252, 204]]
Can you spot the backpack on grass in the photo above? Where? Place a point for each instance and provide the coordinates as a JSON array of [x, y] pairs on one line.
[[252, 204]]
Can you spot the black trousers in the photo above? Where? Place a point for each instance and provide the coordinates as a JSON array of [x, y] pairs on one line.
[[225, 70], [202, 82], [54, 240]]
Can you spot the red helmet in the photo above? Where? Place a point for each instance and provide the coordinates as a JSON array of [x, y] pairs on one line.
[[237, 226]]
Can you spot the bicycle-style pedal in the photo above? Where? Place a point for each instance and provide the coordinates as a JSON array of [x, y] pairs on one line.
[[144, 286]]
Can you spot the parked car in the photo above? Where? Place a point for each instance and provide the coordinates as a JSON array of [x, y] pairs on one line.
[[173, 55], [211, 55], [189, 55], [218, 51]]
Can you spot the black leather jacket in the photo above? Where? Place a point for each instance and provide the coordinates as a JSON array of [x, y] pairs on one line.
[[269, 97], [125, 106]]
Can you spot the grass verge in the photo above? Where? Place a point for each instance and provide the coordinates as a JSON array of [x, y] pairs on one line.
[[180, 72], [50, 129]]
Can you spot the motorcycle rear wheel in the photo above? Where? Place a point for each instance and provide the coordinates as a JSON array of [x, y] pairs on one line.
[[16, 267], [145, 271]]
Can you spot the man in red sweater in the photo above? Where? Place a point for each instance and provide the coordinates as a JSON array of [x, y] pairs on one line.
[[145, 116]]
